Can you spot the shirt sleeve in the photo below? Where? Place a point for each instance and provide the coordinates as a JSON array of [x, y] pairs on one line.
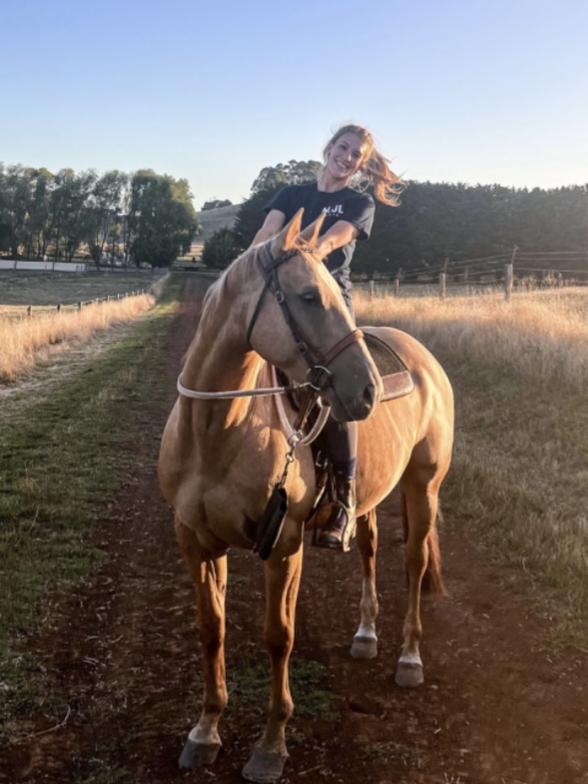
[[359, 211], [282, 201]]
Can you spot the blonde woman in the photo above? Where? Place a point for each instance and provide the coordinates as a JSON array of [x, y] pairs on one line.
[[350, 159]]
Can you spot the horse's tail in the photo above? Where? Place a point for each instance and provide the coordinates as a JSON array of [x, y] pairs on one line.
[[432, 578]]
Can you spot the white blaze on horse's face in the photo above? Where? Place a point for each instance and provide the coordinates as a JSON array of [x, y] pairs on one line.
[[322, 320]]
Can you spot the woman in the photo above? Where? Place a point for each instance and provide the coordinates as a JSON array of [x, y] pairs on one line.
[[349, 156]]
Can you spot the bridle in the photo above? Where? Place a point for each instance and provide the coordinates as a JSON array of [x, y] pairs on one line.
[[319, 377]]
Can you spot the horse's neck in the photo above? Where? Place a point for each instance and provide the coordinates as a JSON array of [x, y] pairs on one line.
[[219, 358]]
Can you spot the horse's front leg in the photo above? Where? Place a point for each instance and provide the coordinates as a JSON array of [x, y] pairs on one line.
[[282, 579], [365, 640], [210, 580]]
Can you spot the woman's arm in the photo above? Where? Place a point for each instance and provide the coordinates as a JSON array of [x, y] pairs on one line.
[[340, 233], [272, 224]]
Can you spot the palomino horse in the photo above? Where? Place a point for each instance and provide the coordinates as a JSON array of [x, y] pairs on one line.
[[220, 459]]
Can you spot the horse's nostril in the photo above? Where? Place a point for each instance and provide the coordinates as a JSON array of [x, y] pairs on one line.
[[369, 395]]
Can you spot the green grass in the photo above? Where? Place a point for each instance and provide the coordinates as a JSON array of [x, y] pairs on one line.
[[517, 486], [63, 457], [41, 288], [249, 687]]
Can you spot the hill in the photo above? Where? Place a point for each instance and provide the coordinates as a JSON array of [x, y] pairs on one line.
[[218, 218]]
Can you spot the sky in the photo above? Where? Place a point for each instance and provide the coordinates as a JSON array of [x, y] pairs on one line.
[[473, 91]]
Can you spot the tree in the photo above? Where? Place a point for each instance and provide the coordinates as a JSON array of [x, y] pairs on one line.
[[104, 211], [42, 182], [161, 220], [220, 250]]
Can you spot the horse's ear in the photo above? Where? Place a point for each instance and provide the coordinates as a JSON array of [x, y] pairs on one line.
[[285, 239], [311, 232]]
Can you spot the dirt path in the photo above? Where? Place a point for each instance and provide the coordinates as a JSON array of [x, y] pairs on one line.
[[497, 706]]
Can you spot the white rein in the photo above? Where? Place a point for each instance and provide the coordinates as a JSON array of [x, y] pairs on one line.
[[275, 391]]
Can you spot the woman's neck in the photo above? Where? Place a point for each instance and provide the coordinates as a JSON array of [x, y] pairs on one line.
[[329, 184]]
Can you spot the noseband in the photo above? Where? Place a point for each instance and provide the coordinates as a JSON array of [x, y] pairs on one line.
[[319, 376]]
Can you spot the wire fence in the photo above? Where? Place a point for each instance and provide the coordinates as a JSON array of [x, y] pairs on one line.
[[518, 270], [29, 311]]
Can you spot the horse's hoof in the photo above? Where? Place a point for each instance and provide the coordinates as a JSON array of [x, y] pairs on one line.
[[409, 675], [195, 755], [364, 648], [264, 767]]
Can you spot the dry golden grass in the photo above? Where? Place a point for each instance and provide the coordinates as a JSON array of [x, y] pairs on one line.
[[542, 334], [519, 473], [25, 340]]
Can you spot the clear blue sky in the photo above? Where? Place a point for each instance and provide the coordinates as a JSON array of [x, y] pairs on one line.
[[472, 91]]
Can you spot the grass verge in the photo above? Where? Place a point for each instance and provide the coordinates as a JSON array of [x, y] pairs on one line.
[[62, 457]]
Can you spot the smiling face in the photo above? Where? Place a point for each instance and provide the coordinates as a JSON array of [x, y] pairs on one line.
[[345, 156]]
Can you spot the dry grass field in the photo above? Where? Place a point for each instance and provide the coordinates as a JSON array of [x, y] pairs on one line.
[[520, 467], [42, 289], [26, 340]]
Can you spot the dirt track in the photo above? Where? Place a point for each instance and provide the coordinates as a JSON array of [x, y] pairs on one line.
[[496, 707]]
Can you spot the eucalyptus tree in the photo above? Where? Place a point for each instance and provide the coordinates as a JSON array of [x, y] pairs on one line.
[[161, 219], [104, 213]]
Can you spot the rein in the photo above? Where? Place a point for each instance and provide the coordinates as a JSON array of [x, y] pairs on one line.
[[229, 394]]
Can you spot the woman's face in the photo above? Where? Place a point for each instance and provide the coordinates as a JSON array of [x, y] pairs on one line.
[[345, 156]]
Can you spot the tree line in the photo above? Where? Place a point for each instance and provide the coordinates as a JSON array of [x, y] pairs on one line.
[[434, 222], [138, 218]]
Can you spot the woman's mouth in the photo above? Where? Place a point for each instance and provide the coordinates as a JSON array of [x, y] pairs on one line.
[[343, 167]]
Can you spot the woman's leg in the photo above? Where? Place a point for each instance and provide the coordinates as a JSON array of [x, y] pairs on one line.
[[341, 445]]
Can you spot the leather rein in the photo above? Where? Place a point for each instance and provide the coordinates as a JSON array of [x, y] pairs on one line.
[[319, 377]]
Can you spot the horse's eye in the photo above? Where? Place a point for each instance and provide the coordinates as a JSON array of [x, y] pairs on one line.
[[310, 296]]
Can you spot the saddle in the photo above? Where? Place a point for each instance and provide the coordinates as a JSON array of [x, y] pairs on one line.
[[397, 382]]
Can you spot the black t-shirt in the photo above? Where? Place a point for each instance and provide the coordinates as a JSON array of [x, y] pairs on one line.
[[347, 204]]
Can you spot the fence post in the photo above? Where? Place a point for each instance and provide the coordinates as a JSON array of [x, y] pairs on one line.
[[59, 308], [509, 274], [79, 305], [442, 285], [372, 288], [397, 287], [508, 282], [29, 310]]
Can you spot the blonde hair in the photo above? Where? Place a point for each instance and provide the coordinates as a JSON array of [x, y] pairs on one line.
[[374, 166]]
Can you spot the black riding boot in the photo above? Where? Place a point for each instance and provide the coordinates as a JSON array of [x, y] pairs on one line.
[[339, 527]]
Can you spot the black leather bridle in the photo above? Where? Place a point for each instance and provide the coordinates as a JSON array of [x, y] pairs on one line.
[[318, 375]]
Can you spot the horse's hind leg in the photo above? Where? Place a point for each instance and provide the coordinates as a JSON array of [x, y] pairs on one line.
[[365, 640], [210, 579], [282, 578], [421, 487]]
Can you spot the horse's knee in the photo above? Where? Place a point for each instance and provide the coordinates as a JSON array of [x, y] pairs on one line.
[[279, 641]]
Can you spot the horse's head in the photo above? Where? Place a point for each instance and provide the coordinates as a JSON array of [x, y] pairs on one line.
[[299, 322]]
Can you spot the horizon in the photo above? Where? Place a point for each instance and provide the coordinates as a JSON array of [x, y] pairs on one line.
[[474, 94]]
